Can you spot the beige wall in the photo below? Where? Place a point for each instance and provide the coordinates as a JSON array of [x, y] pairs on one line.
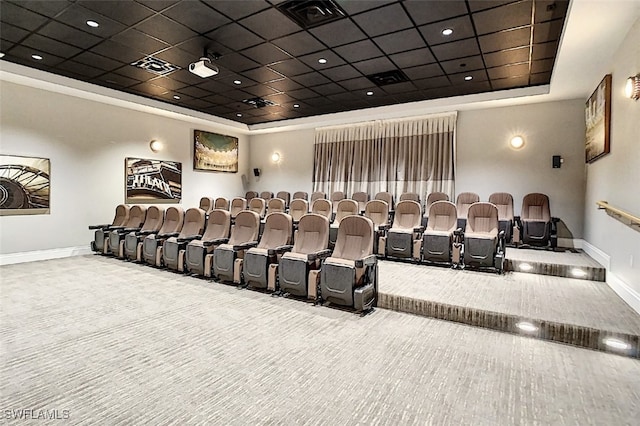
[[485, 162], [87, 143], [615, 177]]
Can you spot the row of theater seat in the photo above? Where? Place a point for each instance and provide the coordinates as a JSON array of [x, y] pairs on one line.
[[303, 266]]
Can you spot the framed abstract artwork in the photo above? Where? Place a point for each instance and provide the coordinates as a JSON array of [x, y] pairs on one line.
[[25, 185], [152, 181], [598, 121], [214, 152]]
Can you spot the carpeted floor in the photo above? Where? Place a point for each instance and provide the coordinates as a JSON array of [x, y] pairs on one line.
[[118, 343], [558, 257]]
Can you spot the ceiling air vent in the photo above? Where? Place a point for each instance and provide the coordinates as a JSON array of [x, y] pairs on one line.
[[388, 77], [258, 102], [155, 65], [311, 13]]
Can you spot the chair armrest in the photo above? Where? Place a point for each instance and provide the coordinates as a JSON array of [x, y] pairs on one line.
[[280, 250], [99, 226], [368, 261], [146, 232], [322, 254], [168, 235], [214, 242], [418, 229], [189, 238], [245, 246], [384, 228], [130, 229]]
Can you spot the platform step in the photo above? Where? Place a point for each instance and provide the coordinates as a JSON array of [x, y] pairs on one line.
[[584, 272]]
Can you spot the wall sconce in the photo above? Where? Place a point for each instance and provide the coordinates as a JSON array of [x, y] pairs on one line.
[[632, 88], [155, 145], [275, 157], [517, 142]]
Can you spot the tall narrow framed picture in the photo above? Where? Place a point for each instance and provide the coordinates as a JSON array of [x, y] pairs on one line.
[[152, 181], [215, 152], [598, 120], [25, 185]]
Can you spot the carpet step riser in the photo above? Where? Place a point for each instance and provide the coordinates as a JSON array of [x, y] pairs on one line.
[[584, 337], [557, 270]]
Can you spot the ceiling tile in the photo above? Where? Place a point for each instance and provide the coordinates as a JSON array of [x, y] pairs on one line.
[[270, 24], [543, 65], [265, 53], [424, 71], [195, 47], [302, 94], [130, 15], [139, 41], [471, 63], [343, 97], [311, 79], [158, 5], [542, 78], [237, 62], [547, 10], [117, 51], [358, 51], [508, 71], [194, 91], [343, 72], [177, 56], [281, 98], [77, 16], [89, 58], [413, 58], [11, 33], [262, 75], [206, 86], [23, 52], [80, 69], [374, 66], [352, 7], [399, 87], [505, 40], [505, 57], [116, 80], [298, 44], [260, 90], [319, 101], [456, 49], [384, 20], [69, 35], [48, 8], [135, 73], [328, 89], [235, 9], [165, 29], [504, 17], [333, 60], [400, 41], [510, 83], [235, 36], [461, 26], [197, 16], [435, 10], [167, 82], [45, 44], [476, 5], [284, 85], [338, 33], [238, 95], [359, 83], [544, 50], [290, 67], [20, 17], [548, 31]]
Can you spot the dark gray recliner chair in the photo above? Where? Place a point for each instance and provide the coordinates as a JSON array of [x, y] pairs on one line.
[[244, 235], [101, 235], [404, 238], [133, 240], [463, 202], [275, 240], [199, 252], [350, 276], [504, 202], [174, 248], [152, 243], [438, 238], [483, 243], [345, 208], [137, 216]]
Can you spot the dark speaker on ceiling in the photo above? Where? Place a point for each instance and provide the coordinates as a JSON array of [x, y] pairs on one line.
[[256, 172]]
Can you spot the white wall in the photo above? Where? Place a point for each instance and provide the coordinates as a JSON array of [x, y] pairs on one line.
[[485, 162], [87, 143], [615, 177]]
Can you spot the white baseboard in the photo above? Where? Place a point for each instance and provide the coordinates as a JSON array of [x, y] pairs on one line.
[[597, 255], [623, 290], [32, 256]]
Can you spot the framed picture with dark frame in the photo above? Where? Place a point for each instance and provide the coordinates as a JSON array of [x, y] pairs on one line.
[[598, 121], [215, 152], [25, 185], [152, 181]]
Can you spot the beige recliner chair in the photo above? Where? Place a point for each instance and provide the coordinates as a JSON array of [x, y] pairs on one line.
[[361, 198], [404, 238], [174, 247], [336, 196], [133, 240], [387, 197], [266, 195], [538, 227], [221, 203], [463, 202], [237, 205], [411, 196], [199, 253], [285, 196], [345, 208], [483, 243], [300, 195], [137, 216], [350, 276], [504, 202], [206, 204], [275, 240], [244, 235], [152, 243], [432, 198], [378, 212], [258, 206], [100, 243], [276, 205], [249, 195], [317, 196], [322, 207], [298, 208], [438, 238]]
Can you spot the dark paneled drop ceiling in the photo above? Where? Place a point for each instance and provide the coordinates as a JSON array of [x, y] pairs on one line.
[[374, 52]]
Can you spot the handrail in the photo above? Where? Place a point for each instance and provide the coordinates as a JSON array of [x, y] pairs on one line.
[[621, 215]]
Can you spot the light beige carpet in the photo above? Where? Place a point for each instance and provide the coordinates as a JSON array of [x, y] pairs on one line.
[[117, 343]]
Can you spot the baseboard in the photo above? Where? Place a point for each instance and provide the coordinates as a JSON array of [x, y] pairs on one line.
[[32, 256], [570, 242], [597, 255], [629, 295]]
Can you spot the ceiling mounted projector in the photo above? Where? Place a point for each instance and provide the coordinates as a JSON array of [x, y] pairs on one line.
[[203, 68]]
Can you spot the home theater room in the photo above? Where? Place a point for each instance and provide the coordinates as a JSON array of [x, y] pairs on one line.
[[320, 212]]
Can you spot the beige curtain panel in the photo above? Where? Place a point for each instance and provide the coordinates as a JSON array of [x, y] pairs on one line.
[[394, 156]]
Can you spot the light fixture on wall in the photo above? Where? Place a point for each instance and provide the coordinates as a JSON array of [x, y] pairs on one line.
[[275, 157], [155, 145], [632, 88], [517, 142]]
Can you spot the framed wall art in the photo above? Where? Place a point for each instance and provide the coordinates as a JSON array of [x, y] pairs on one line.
[[214, 152], [24, 185], [598, 120], [152, 181]]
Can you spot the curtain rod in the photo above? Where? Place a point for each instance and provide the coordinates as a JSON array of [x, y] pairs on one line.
[[390, 120]]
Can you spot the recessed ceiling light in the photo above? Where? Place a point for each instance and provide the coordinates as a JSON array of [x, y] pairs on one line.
[[517, 142], [526, 326], [1, 55], [237, 82], [369, 93], [468, 78], [322, 61], [296, 106], [176, 97], [238, 115], [447, 31], [525, 267], [616, 343], [36, 57], [93, 24]]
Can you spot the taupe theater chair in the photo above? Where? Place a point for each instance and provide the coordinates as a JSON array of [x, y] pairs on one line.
[[336, 196], [152, 244], [410, 196], [322, 207], [378, 212], [350, 276], [100, 241], [249, 195], [483, 244], [206, 204], [345, 208], [438, 238], [137, 215], [504, 202], [199, 253], [275, 240], [300, 195], [361, 198], [258, 206], [536, 220], [133, 240], [432, 198], [244, 235], [266, 195], [317, 196], [387, 197], [299, 269], [298, 208], [463, 202], [174, 248], [276, 205], [285, 196], [221, 203], [405, 235], [237, 205]]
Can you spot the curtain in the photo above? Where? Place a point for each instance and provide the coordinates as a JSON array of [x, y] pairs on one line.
[[393, 156]]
